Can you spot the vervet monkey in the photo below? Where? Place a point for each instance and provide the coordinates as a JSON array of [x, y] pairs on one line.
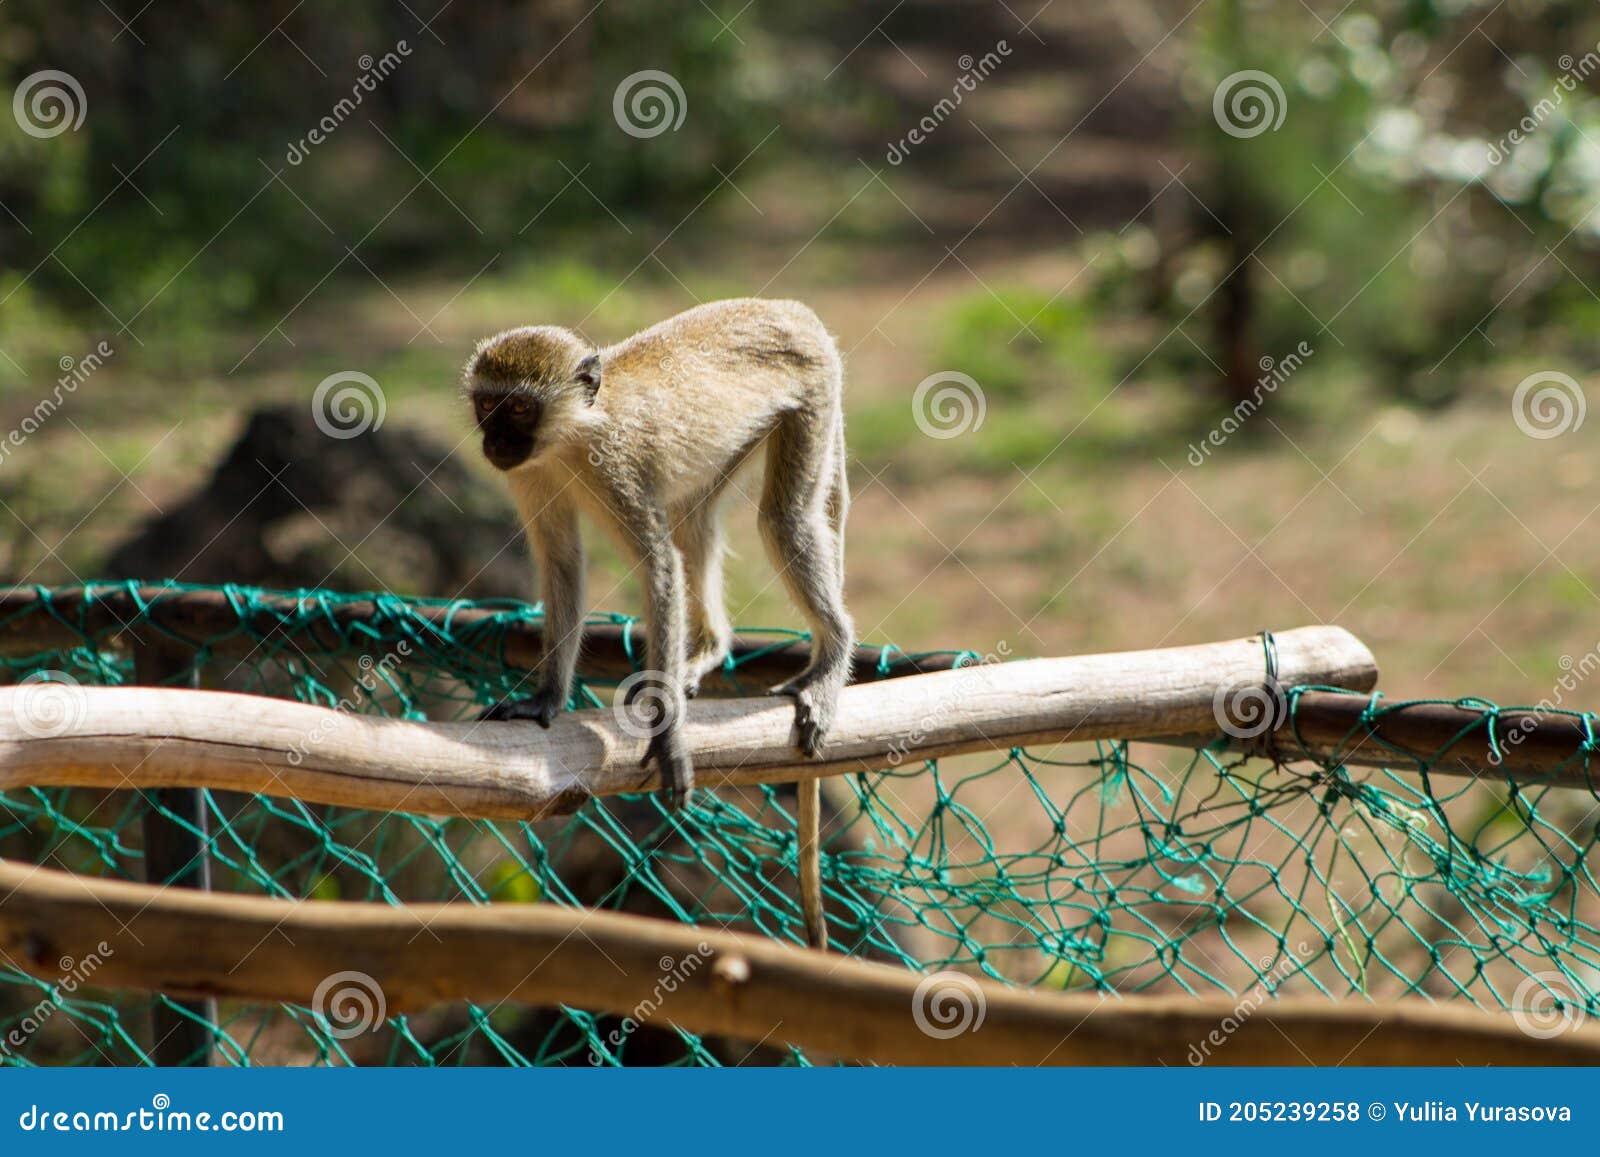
[[645, 437]]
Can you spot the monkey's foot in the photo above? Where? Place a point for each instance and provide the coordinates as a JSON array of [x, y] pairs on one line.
[[813, 715], [677, 771], [672, 762], [541, 707]]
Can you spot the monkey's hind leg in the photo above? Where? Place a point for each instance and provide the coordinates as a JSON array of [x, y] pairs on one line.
[[802, 514]]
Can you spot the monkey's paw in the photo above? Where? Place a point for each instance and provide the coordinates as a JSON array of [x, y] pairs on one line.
[[813, 716], [677, 770], [541, 707]]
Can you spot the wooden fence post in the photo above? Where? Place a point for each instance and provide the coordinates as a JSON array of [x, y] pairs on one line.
[[175, 851]]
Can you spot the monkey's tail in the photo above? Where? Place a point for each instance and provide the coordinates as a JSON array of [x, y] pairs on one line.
[[839, 492], [810, 793]]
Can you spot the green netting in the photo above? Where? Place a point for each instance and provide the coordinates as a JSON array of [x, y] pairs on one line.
[[1108, 867]]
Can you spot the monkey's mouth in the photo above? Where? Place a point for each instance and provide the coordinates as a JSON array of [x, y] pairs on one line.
[[508, 455]]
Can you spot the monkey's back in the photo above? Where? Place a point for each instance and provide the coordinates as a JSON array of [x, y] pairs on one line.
[[783, 343], [706, 386]]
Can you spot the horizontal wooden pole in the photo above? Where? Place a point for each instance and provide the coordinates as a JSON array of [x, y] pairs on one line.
[[137, 737], [32, 622], [1534, 748], [263, 950]]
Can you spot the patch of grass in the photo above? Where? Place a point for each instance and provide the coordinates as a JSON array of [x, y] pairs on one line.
[[1017, 342]]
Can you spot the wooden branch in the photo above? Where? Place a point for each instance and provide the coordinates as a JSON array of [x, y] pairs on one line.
[[195, 617], [264, 950], [1535, 748], [134, 737]]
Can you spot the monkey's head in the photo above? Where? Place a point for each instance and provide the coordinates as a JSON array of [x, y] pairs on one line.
[[532, 389]]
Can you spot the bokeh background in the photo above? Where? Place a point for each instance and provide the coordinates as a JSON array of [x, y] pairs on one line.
[[1092, 235]]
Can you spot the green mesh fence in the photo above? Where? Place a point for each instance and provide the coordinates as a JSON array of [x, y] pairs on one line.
[[1110, 868]]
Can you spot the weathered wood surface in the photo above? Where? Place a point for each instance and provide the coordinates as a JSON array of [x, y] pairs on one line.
[[137, 737], [264, 950], [1532, 748]]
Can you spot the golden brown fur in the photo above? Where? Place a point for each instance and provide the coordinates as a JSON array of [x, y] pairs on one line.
[[643, 437]]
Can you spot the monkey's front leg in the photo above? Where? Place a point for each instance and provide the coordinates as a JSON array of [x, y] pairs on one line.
[[558, 546], [664, 688]]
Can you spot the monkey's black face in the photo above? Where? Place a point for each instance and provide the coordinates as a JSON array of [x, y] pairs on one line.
[[509, 424]]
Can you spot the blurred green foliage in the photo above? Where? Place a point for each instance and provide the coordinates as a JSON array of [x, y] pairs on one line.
[[1424, 207], [495, 134], [1392, 219]]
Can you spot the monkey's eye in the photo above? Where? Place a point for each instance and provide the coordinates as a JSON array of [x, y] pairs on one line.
[[519, 407], [483, 405]]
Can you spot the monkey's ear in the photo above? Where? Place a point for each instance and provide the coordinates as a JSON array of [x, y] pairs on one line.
[[589, 375]]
